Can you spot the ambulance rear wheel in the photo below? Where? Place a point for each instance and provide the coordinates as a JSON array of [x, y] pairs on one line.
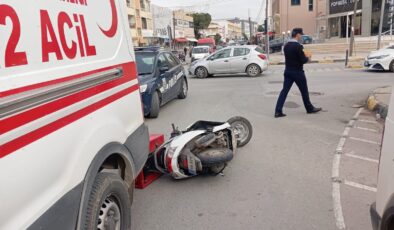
[[109, 204]]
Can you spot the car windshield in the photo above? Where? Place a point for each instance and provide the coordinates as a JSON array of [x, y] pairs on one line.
[[200, 50], [145, 62]]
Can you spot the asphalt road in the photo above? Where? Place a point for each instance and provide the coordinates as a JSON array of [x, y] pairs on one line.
[[282, 178]]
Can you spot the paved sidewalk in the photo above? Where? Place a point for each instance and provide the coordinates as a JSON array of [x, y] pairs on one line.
[[279, 59]]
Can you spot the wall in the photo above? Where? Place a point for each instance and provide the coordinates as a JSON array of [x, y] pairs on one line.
[[183, 25]]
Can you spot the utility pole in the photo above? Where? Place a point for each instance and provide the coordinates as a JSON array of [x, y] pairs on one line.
[[267, 39], [381, 24], [352, 28], [250, 27]]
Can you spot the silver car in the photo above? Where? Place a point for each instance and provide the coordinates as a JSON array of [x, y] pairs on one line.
[[235, 59]]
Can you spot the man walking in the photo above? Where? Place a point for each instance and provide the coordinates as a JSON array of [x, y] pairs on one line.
[[295, 59]]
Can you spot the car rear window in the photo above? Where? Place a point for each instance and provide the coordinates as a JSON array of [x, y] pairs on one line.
[[200, 50], [145, 62], [259, 49]]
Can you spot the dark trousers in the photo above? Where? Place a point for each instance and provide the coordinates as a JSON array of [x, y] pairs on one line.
[[291, 76]]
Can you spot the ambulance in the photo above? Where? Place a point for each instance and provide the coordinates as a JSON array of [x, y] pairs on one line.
[[72, 133]]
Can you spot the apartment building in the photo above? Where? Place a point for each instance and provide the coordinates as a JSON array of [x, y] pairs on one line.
[[140, 21]]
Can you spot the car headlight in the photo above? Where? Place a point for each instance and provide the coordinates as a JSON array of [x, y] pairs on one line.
[[143, 88], [379, 57]]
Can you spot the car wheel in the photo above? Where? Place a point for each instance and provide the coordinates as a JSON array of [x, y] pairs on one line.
[[109, 204], [155, 106], [201, 72], [184, 89], [253, 70], [392, 66]]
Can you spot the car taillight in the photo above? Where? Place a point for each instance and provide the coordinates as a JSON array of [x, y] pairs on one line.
[[262, 56]]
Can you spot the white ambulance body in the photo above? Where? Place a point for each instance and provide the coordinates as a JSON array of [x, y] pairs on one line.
[[72, 134]]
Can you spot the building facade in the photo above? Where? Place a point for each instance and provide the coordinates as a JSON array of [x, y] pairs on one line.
[[183, 25], [162, 24], [140, 21], [288, 14], [246, 27], [228, 30]]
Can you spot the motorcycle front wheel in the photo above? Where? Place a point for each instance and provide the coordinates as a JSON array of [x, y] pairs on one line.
[[243, 130]]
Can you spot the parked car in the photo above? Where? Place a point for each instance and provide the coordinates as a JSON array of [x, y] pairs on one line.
[[207, 42], [382, 59], [200, 52], [306, 39], [382, 211], [162, 79], [233, 59]]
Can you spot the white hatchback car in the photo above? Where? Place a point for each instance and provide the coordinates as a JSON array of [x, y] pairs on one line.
[[382, 59], [200, 52], [231, 60]]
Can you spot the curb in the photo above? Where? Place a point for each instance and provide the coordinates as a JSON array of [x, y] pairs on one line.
[[324, 61]]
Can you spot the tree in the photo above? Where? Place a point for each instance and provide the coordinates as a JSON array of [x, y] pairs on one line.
[[201, 21], [217, 38], [260, 28]]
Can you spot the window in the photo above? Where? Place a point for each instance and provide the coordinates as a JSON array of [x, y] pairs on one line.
[[131, 21], [171, 60], [142, 5], [295, 2], [128, 2], [310, 5], [222, 54], [144, 23], [241, 52], [162, 61], [145, 61]]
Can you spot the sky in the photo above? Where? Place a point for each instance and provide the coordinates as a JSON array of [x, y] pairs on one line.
[[219, 9]]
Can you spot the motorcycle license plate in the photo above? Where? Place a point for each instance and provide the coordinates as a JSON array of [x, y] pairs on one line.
[[191, 165]]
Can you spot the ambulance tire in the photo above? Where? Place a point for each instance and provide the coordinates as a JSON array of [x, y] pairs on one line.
[[109, 203], [155, 105]]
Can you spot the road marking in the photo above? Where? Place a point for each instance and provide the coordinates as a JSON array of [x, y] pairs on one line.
[[340, 145], [360, 186], [368, 121], [365, 141], [358, 113], [351, 123], [366, 129], [362, 158], [346, 132], [336, 191]]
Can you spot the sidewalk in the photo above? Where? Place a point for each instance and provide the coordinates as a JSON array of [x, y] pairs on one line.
[[379, 100], [279, 59]]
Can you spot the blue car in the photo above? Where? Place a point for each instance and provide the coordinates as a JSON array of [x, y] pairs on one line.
[[162, 78]]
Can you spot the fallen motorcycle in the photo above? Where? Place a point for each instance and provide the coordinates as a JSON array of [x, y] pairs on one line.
[[203, 148]]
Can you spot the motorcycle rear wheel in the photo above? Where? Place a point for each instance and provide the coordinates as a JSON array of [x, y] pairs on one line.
[[215, 157]]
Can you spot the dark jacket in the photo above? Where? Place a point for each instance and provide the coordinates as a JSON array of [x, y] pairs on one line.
[[294, 56]]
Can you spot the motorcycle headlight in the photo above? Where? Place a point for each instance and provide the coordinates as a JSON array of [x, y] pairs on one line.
[[143, 88]]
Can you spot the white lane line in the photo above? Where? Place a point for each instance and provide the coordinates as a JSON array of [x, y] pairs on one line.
[[367, 129], [336, 191], [365, 141], [346, 132], [358, 113], [341, 143], [351, 123], [360, 186], [368, 121], [361, 158]]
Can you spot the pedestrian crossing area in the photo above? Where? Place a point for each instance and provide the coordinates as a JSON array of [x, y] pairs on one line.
[[309, 70]]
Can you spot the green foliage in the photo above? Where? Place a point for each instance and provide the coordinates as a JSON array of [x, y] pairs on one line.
[[201, 21], [260, 28]]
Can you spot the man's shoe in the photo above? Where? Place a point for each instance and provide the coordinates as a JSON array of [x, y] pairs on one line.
[[278, 115], [314, 110]]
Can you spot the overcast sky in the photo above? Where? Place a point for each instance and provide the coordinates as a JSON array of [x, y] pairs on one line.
[[218, 8]]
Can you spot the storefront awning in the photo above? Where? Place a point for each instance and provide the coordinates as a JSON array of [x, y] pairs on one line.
[[181, 40], [192, 40]]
